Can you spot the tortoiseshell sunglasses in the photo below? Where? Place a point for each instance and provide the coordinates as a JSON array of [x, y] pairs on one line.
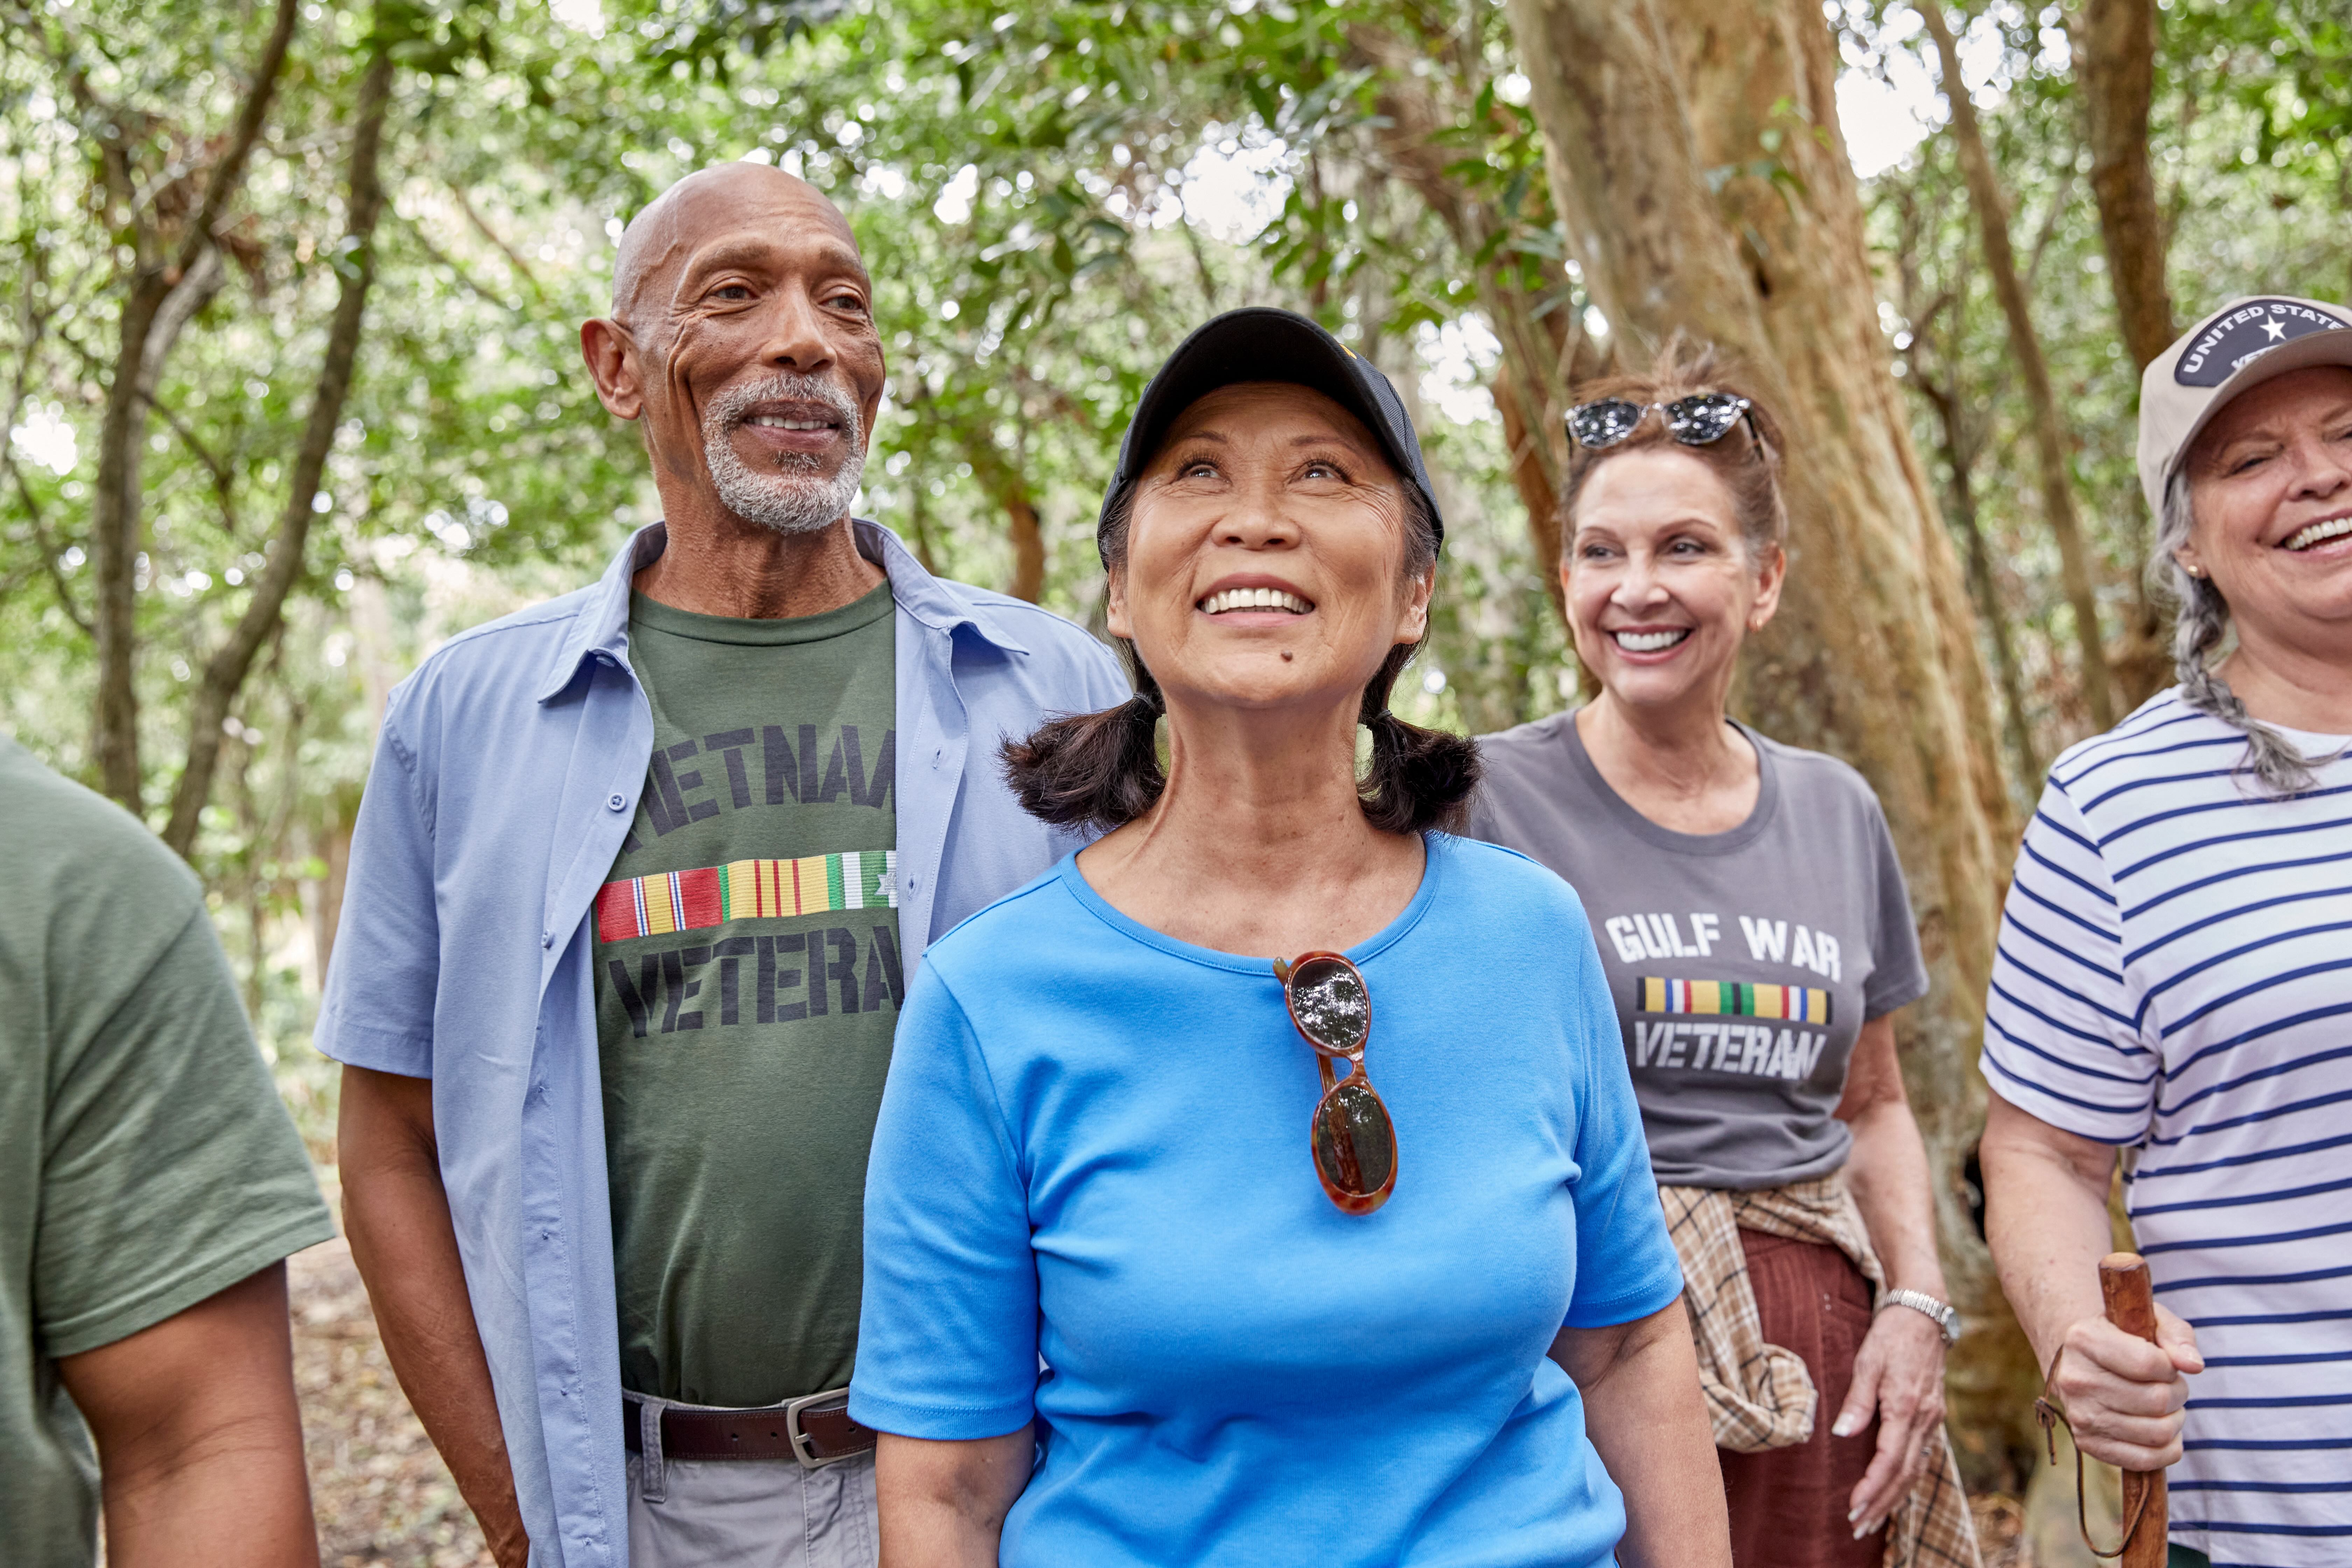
[[1351, 1138]]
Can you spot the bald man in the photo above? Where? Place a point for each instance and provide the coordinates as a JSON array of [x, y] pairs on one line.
[[638, 882]]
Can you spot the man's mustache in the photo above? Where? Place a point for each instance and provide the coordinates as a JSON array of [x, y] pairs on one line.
[[735, 405]]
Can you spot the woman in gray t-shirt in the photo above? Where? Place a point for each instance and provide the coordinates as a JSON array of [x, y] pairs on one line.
[[1753, 922]]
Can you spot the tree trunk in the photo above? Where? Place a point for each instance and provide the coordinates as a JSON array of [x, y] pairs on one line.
[[1959, 455], [1536, 485], [166, 291], [1541, 356], [225, 671], [999, 475], [323, 900], [1992, 207], [1958, 442], [373, 648], [2115, 61], [1651, 111], [114, 527], [1028, 539]]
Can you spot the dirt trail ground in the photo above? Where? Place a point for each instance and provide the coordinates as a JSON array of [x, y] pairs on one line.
[[382, 1497]]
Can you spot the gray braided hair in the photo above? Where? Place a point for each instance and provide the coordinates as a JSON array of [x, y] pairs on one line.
[[2200, 627]]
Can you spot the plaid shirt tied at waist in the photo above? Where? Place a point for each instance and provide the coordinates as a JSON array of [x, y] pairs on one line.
[[1760, 1395]]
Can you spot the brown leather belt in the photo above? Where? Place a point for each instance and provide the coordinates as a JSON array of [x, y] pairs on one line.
[[816, 1430]]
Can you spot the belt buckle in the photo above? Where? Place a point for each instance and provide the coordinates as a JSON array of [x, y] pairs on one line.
[[804, 1449]]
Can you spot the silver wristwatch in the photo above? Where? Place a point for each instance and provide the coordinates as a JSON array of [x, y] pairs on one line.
[[1946, 1318]]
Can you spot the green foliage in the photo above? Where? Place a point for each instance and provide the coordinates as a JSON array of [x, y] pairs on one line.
[[1048, 197], [1018, 181], [2257, 201]]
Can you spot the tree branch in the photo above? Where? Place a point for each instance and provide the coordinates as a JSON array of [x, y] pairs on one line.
[[251, 114], [45, 546], [2114, 71], [37, 326], [225, 671], [223, 480], [457, 268], [158, 291], [112, 159], [504, 249], [2058, 200], [2047, 425], [1001, 478], [192, 293]]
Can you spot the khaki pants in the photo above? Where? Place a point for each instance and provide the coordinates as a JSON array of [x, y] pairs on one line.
[[750, 1513]]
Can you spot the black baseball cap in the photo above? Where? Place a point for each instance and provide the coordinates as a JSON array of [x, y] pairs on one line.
[[1259, 342]]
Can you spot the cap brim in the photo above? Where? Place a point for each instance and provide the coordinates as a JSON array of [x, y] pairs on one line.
[[2333, 346], [1258, 343]]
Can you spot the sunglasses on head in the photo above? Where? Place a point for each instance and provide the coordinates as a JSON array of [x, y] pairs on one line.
[[1351, 1139], [1699, 420]]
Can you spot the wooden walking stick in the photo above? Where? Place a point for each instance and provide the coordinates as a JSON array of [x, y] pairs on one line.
[[2131, 1307]]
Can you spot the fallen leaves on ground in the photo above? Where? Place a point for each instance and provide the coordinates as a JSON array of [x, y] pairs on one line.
[[382, 1497]]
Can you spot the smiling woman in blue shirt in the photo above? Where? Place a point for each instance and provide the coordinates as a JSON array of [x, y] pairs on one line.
[[1265, 1182]]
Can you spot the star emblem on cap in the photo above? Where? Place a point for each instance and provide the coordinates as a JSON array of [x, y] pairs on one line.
[[2273, 330]]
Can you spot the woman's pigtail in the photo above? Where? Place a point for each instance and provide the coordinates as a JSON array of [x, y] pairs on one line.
[[1418, 778], [2198, 630], [1092, 769]]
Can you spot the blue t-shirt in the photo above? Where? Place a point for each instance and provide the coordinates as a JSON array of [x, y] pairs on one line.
[[1093, 1149]]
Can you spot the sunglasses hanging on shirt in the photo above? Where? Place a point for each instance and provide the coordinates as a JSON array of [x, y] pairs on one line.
[[1351, 1139], [1699, 420]]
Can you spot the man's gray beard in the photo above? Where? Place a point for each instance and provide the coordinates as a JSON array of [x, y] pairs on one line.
[[792, 498]]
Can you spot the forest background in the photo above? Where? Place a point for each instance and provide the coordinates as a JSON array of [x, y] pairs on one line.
[[291, 391]]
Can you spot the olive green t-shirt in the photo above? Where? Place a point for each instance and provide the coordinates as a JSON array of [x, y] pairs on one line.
[[146, 1161], [747, 980]]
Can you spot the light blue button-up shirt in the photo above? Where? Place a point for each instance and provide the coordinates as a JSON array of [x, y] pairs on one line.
[[507, 773]]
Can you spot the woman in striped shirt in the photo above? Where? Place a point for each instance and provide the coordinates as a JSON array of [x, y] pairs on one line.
[[2174, 975]]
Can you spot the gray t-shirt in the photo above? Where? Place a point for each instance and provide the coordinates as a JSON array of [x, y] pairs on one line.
[[1742, 963]]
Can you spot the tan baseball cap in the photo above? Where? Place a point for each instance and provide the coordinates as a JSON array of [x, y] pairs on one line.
[[2242, 344]]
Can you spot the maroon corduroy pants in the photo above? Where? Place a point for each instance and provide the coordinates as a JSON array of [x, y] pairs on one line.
[[1788, 1505]]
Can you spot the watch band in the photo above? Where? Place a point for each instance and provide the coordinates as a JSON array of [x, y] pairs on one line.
[[1946, 1318]]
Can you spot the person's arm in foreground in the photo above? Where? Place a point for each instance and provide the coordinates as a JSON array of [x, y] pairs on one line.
[[397, 1215], [199, 1438], [1899, 1368], [943, 1504], [2046, 1219], [1647, 1419]]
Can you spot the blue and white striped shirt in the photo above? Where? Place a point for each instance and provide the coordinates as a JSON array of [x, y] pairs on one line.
[[2175, 976]]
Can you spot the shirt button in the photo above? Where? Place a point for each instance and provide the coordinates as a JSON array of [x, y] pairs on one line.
[[619, 802], [547, 939]]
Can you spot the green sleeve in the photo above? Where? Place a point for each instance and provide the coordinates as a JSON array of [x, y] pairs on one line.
[[170, 1169]]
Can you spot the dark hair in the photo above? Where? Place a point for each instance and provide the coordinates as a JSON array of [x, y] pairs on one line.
[[1748, 468], [1103, 769]]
